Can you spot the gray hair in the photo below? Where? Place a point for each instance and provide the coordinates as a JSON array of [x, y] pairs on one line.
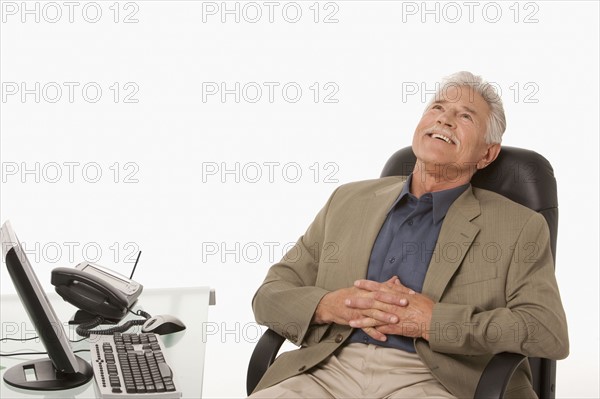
[[496, 123]]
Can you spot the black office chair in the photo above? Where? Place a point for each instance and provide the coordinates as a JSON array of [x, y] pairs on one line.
[[523, 176]]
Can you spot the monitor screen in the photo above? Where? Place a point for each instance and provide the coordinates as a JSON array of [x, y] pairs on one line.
[[40, 311]]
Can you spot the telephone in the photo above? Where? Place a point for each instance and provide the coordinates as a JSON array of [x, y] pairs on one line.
[[96, 289]]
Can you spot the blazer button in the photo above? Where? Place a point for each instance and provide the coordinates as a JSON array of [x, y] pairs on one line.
[[339, 338], [302, 368]]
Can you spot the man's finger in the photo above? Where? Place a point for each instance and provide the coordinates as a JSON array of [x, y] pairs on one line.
[[404, 288], [406, 329], [392, 285], [391, 298], [376, 335], [378, 317], [392, 281], [368, 285], [374, 319], [380, 310]]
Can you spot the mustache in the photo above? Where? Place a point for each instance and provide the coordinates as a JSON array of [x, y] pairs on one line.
[[442, 130]]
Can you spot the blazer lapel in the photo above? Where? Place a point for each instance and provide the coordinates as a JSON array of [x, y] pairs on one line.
[[375, 211], [455, 239]]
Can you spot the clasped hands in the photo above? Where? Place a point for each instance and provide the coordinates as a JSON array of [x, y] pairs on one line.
[[378, 309]]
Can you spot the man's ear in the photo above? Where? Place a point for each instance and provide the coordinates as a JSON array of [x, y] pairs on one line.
[[490, 155]]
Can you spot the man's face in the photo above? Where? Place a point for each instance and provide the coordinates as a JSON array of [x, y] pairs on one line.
[[451, 133]]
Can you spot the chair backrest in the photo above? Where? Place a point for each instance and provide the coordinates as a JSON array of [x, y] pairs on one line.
[[525, 177]]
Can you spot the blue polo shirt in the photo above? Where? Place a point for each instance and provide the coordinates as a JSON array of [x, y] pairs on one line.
[[405, 245]]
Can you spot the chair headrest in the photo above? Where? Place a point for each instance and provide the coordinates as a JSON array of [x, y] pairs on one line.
[[522, 175]]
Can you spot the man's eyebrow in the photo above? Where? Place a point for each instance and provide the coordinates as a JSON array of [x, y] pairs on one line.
[[464, 107], [470, 110]]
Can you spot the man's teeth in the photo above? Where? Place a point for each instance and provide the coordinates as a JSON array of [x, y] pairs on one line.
[[439, 136]]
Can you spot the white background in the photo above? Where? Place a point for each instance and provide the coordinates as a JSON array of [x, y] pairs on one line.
[[165, 144]]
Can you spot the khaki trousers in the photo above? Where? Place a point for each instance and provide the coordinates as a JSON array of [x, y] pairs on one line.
[[362, 371]]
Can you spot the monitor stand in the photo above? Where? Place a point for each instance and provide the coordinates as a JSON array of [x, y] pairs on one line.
[[41, 375]]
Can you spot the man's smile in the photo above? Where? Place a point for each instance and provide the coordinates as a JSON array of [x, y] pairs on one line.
[[441, 137], [441, 134]]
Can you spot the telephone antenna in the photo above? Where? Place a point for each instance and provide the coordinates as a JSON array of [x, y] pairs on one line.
[[134, 266]]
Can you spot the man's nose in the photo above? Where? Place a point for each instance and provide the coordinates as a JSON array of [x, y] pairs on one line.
[[446, 119]]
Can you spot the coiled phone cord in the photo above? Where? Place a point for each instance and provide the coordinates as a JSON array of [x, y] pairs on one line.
[[85, 329]]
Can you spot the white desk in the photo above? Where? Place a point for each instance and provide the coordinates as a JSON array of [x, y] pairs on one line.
[[185, 349]]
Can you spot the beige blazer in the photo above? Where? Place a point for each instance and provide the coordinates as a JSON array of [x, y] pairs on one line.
[[491, 276]]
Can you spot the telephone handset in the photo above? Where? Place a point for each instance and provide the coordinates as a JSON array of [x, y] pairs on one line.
[[96, 289]]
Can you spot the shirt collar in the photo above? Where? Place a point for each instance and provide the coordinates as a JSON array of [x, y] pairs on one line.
[[442, 200]]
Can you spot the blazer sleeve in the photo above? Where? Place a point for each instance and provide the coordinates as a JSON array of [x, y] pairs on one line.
[[533, 321], [287, 299]]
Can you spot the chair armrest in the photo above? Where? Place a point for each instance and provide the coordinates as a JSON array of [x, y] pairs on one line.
[[497, 374], [263, 356], [492, 384]]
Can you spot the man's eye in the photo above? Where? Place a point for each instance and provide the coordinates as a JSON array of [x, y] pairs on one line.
[[467, 116], [436, 106]]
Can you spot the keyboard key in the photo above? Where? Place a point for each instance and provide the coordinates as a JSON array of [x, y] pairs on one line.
[[115, 382], [169, 387], [165, 370]]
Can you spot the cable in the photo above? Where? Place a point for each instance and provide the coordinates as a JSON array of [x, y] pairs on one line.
[[36, 353], [23, 340], [19, 339], [85, 329], [23, 353], [138, 313], [36, 337]]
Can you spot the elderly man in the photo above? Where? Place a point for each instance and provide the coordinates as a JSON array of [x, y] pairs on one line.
[[373, 297]]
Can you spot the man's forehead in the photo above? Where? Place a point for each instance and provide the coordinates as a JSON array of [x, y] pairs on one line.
[[464, 96]]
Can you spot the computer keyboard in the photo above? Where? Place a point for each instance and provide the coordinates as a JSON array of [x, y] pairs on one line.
[[131, 365]]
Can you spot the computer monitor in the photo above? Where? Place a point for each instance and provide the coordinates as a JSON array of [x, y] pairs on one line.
[[63, 369]]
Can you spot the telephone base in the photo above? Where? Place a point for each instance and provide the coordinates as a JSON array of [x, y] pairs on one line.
[[82, 316]]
